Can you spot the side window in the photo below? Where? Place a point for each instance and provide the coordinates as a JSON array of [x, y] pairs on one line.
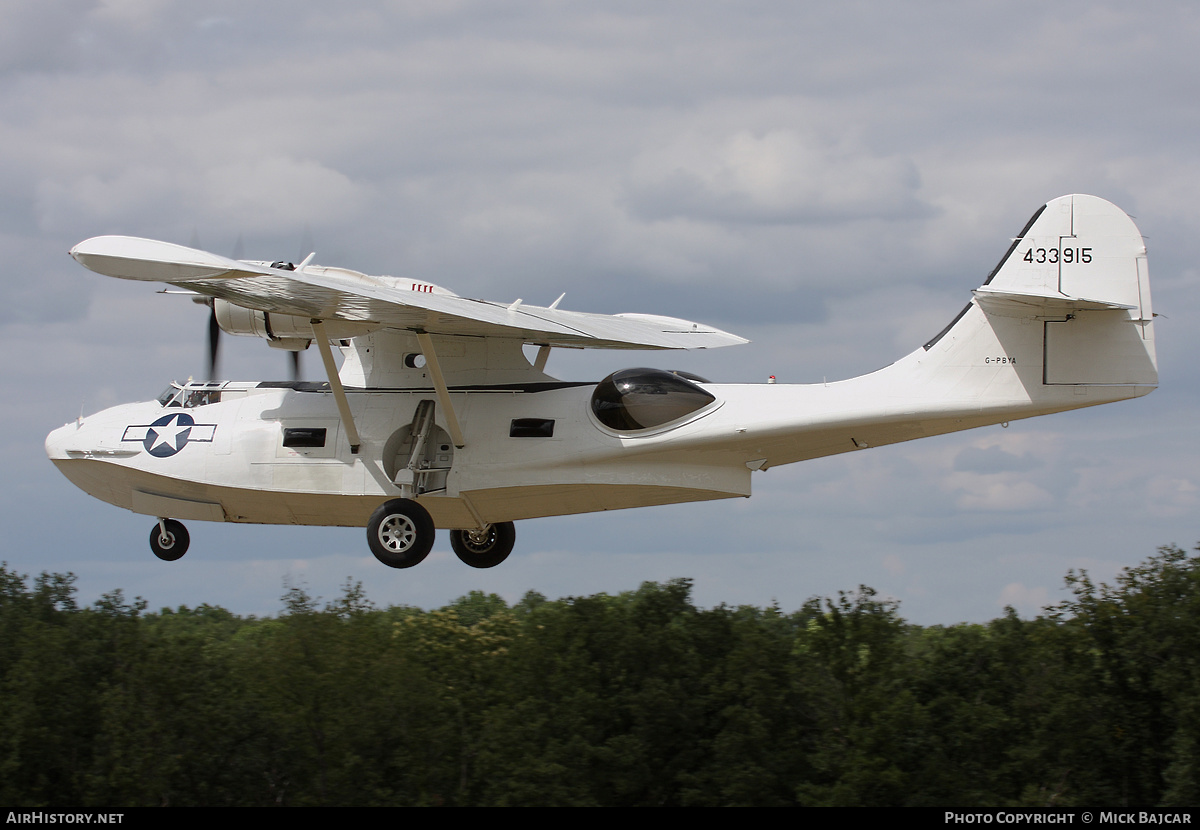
[[531, 428], [304, 437], [635, 399]]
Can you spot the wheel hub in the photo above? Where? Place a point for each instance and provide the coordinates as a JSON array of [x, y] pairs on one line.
[[397, 533], [480, 541]]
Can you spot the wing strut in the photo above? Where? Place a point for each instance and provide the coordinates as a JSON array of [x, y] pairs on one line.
[[439, 383], [335, 384]]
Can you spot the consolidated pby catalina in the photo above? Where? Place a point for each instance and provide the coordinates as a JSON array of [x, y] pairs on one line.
[[437, 419]]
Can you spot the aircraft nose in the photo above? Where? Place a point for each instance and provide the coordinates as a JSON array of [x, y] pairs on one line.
[[61, 438]]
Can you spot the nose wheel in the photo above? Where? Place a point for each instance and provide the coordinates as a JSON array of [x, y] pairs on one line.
[[485, 548], [169, 540], [400, 533]]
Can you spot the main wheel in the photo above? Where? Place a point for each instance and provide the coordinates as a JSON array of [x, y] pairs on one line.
[[484, 548], [171, 545], [400, 533]]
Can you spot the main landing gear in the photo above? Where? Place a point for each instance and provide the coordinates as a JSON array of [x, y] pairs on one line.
[[485, 548], [400, 535], [169, 540]]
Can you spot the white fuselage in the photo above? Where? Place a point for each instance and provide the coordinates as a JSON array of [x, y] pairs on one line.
[[232, 464]]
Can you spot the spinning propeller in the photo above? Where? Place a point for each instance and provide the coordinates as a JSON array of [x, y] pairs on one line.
[[214, 325]]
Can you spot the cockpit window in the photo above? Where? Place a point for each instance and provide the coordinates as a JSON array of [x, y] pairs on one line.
[[170, 396], [191, 395], [201, 397], [635, 399]]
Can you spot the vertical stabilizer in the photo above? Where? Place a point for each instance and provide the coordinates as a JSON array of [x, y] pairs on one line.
[[1077, 279]]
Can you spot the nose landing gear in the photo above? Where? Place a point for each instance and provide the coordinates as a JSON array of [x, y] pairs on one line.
[[169, 540]]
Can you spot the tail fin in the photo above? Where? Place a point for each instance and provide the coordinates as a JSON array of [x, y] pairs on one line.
[[1079, 270]]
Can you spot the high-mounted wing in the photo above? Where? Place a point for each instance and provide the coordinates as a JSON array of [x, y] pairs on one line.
[[338, 294]]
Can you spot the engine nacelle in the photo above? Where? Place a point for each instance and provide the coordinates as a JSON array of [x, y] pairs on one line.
[[281, 331]]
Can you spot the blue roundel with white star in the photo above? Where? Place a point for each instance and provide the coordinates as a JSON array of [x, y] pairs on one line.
[[168, 435]]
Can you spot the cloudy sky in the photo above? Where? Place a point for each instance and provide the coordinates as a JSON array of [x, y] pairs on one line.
[[828, 180]]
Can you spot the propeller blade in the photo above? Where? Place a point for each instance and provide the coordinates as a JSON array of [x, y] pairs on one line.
[[214, 328], [295, 365], [214, 340]]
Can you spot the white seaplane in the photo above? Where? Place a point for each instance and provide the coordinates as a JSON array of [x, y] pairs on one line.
[[437, 419]]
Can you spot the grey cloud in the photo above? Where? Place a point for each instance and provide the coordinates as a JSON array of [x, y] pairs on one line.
[[781, 176], [41, 37], [994, 460]]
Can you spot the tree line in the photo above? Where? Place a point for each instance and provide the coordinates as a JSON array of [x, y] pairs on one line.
[[636, 699]]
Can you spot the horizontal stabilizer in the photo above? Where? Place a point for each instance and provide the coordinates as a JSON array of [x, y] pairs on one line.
[[1010, 303]]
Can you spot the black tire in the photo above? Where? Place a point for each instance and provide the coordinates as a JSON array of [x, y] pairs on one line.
[[172, 546], [487, 549], [400, 533]]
